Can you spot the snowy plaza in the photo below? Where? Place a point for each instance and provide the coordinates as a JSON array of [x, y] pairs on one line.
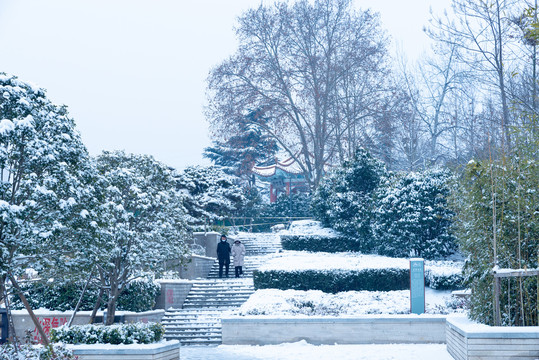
[[269, 179]]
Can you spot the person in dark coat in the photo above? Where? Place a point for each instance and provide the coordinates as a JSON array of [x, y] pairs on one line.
[[223, 255]]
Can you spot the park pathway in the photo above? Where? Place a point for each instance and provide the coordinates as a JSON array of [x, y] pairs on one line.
[[199, 320]]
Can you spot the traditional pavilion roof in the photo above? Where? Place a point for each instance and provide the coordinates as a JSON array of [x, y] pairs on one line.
[[280, 169]]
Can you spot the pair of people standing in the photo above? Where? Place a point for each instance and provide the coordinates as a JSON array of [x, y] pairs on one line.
[[224, 250]]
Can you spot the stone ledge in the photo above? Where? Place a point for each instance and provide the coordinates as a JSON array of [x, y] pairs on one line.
[[168, 350], [467, 340], [367, 329]]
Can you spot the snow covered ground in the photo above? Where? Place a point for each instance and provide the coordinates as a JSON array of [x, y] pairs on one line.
[[347, 303], [302, 350]]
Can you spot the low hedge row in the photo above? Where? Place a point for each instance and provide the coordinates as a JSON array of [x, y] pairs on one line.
[[443, 281], [134, 333], [319, 243], [333, 281], [139, 296]]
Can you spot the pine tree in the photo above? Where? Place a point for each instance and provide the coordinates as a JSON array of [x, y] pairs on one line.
[[209, 194], [248, 147]]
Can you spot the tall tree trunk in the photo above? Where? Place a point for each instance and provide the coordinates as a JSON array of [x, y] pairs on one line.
[[44, 337]]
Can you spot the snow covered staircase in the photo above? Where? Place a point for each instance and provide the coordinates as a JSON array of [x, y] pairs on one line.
[[222, 294], [251, 263], [193, 327], [260, 243], [199, 320]]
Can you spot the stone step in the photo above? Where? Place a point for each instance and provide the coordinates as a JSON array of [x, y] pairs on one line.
[[196, 333], [219, 294], [211, 305]]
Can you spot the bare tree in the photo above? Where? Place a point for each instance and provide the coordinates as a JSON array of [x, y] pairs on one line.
[[482, 36], [315, 70]]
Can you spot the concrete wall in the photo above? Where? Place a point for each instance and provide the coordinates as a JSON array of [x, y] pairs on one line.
[[209, 241], [467, 340], [144, 317], [51, 319], [173, 293], [169, 350], [197, 267], [378, 329]]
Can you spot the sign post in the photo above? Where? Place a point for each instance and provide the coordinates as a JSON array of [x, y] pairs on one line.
[[3, 326], [417, 286]]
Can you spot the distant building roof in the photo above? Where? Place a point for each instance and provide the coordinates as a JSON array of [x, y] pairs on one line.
[[280, 169]]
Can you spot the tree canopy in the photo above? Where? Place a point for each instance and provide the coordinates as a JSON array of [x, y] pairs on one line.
[[314, 70]]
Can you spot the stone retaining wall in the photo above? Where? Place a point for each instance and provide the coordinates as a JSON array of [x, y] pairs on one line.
[[209, 241], [173, 293], [467, 340], [196, 267], [50, 319], [375, 329]]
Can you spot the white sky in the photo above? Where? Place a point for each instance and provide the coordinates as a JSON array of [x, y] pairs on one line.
[[133, 72]]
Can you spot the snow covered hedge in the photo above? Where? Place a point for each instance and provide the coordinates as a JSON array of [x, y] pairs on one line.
[[33, 352], [331, 272], [322, 243], [135, 333], [139, 296], [310, 235], [333, 281]]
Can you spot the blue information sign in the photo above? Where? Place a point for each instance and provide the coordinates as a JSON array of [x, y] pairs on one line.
[[417, 286]]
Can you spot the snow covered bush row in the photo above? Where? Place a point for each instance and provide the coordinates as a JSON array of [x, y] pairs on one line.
[[346, 303], [35, 352], [139, 295], [334, 280], [441, 281], [309, 271], [134, 333], [322, 243]]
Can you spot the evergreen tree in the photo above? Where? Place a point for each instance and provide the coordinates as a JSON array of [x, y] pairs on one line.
[[41, 161], [345, 198], [413, 217], [209, 194], [247, 147], [141, 222]]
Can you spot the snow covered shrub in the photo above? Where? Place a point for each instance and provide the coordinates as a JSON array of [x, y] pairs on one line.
[[413, 217], [443, 281], [294, 205], [333, 281], [317, 303], [324, 243], [56, 295], [310, 235], [139, 295], [134, 333], [497, 207], [33, 352], [344, 200]]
